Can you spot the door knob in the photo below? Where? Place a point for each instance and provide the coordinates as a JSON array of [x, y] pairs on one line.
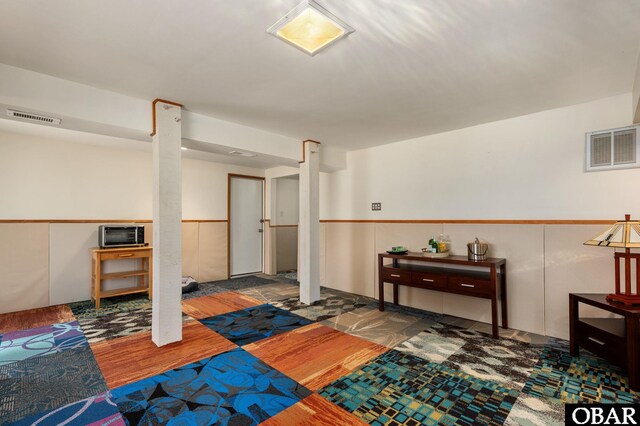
[[260, 230]]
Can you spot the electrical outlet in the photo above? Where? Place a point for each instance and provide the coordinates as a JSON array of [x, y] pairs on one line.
[[376, 206]]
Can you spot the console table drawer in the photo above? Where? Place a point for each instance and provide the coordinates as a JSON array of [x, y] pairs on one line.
[[425, 280], [468, 285], [395, 274], [126, 254]]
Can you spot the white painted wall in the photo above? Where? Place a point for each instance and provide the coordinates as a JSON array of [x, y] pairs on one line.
[[636, 94], [529, 167], [51, 179], [287, 202]]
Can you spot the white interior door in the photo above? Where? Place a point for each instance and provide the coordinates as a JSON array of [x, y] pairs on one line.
[[246, 221]]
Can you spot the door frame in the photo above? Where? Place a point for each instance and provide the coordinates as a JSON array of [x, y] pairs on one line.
[[264, 220]]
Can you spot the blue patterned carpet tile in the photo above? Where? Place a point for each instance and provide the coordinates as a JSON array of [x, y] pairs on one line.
[[44, 383], [96, 410], [402, 389], [256, 323], [233, 388], [51, 339], [586, 379]]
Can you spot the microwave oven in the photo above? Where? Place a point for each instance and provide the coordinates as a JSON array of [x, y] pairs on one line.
[[120, 236]]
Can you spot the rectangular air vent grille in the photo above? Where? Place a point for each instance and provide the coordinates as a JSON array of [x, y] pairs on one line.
[[33, 117], [624, 147], [612, 149]]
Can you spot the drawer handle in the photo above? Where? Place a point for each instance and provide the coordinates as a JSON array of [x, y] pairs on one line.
[[601, 343], [467, 285], [427, 280], [395, 276], [125, 255]]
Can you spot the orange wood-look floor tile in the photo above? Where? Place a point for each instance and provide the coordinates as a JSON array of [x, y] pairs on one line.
[[314, 410], [217, 304], [131, 358], [32, 318], [315, 355]]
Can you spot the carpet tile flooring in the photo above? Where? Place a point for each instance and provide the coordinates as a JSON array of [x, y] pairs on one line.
[[273, 292], [21, 345], [116, 324], [400, 388], [328, 306], [145, 359], [232, 388], [505, 361], [251, 353], [253, 324], [314, 410], [217, 304], [334, 354], [33, 318], [47, 382], [111, 305], [385, 328], [96, 410]]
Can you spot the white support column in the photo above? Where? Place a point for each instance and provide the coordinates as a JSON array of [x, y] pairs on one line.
[[166, 323], [309, 224]]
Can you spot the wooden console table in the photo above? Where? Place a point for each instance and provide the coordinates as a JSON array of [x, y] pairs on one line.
[[615, 339], [143, 273], [426, 273]]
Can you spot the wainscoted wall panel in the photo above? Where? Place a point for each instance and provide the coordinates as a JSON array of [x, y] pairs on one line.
[[49, 263], [545, 262], [190, 258], [350, 257], [286, 248], [323, 253], [414, 237], [523, 247], [24, 270], [70, 261], [212, 254], [571, 267], [270, 235]]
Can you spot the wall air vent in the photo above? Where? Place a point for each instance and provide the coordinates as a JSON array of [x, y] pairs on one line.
[[33, 117], [613, 149]]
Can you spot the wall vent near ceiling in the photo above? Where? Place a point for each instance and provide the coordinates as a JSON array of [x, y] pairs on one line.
[[33, 117], [613, 149]]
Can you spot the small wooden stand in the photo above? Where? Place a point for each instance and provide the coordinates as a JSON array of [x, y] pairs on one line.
[[145, 270]]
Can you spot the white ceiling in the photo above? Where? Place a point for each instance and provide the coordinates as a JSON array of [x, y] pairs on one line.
[[413, 67]]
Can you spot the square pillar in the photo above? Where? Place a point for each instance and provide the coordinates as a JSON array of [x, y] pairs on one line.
[[309, 224], [166, 323]]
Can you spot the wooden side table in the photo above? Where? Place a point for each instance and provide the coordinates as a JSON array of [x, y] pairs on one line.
[[143, 273], [615, 339]]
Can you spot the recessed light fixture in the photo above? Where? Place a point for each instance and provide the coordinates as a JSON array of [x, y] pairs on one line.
[[184, 148], [242, 154], [310, 27]]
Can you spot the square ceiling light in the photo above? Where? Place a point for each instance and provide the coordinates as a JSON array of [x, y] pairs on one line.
[[310, 27]]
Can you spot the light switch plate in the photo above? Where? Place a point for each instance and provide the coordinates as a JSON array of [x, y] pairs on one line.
[[376, 206]]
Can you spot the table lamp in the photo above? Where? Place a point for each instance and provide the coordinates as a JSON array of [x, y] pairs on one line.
[[623, 234]]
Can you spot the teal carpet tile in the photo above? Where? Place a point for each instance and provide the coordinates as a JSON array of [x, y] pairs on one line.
[[402, 389], [584, 379]]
